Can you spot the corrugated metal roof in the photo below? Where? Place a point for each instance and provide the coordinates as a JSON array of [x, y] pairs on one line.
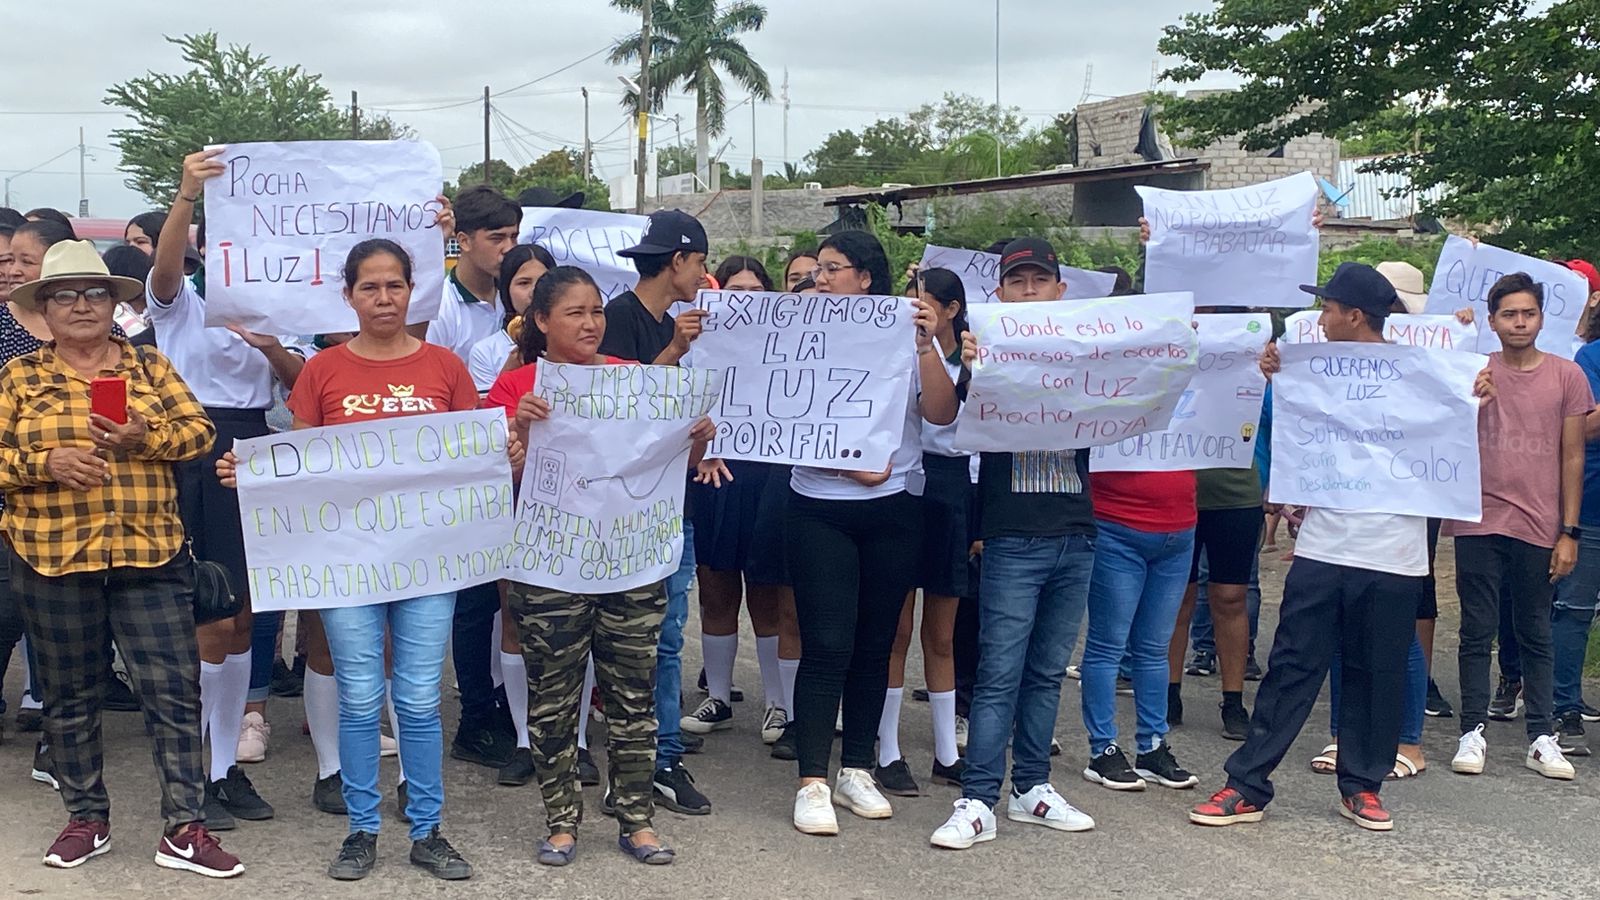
[[1379, 195]]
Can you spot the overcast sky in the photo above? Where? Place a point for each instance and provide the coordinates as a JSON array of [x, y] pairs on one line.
[[849, 62]]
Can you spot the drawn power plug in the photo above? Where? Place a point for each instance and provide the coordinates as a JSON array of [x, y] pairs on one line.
[[550, 466]]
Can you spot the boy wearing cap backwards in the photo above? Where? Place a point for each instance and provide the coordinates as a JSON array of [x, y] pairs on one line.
[[1354, 586], [671, 260], [1037, 527]]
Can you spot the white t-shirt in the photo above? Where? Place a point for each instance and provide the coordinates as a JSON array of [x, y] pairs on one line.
[[488, 358], [223, 371], [463, 322], [1380, 542], [906, 463]]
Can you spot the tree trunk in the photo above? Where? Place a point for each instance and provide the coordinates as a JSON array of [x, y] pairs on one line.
[[702, 144]]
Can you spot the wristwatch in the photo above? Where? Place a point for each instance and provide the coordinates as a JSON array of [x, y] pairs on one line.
[[1572, 531]]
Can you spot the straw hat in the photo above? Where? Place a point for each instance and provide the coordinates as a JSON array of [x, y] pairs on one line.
[[74, 261], [1408, 283]]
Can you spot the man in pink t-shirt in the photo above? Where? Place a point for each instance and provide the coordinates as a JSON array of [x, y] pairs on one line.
[[1531, 442]]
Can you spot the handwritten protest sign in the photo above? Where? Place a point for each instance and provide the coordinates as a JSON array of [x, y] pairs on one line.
[[601, 509], [588, 239], [1465, 273], [980, 274], [351, 515], [1434, 332], [1214, 426], [1060, 375], [1371, 427], [282, 217], [1249, 246], [819, 380]]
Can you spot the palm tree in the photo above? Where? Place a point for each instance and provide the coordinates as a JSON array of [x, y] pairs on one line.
[[689, 41]]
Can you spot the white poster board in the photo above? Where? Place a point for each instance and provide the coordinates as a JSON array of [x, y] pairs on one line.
[[1065, 374], [1249, 246], [1215, 424], [1433, 332], [817, 380], [588, 239], [1466, 272], [283, 216], [980, 274], [350, 515], [601, 508], [1371, 427]]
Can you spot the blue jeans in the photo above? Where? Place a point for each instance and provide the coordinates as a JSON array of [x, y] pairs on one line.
[[1134, 595], [1570, 618], [419, 631], [264, 631], [669, 657], [1200, 634], [1031, 600], [1412, 705]]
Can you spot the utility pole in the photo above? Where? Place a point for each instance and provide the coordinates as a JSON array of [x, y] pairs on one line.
[[587, 148], [644, 106], [997, 171], [786, 114], [83, 180], [355, 118], [486, 109]]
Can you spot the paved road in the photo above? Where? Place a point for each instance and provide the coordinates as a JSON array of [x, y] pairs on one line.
[[1509, 833]]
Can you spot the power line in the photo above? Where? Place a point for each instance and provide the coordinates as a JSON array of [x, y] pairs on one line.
[[400, 106]]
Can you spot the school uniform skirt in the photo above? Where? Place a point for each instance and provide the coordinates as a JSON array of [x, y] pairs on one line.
[[946, 531], [739, 527]]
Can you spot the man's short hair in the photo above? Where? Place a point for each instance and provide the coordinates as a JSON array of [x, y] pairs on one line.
[[1515, 283], [481, 207]]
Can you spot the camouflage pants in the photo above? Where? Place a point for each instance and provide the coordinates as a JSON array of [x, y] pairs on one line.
[[559, 630]]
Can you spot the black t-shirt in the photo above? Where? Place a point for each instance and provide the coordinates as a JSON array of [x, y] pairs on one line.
[[1036, 493], [632, 332]]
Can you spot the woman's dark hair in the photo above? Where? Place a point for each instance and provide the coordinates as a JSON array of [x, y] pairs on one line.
[[128, 260], [150, 223], [550, 287], [200, 233], [10, 218], [482, 207], [47, 214], [866, 254], [733, 265], [367, 249], [944, 287], [48, 232], [1123, 286], [512, 263], [1515, 283], [799, 253]]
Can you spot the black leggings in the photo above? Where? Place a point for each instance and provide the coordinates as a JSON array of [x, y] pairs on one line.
[[851, 562]]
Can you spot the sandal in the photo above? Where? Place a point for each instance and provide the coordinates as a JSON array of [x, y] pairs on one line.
[[658, 855], [1326, 762], [1403, 768], [551, 855]]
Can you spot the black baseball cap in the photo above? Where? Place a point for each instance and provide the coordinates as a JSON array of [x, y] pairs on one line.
[[538, 196], [1358, 286], [668, 231], [1029, 251]]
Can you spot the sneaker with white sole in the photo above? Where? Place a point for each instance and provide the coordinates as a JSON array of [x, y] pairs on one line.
[[1470, 752], [1043, 806], [813, 810], [253, 736], [387, 746], [772, 723], [961, 735], [854, 790], [1545, 757], [711, 715], [972, 822]]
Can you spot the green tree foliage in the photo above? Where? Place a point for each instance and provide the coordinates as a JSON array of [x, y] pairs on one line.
[[1500, 97], [227, 95], [559, 170]]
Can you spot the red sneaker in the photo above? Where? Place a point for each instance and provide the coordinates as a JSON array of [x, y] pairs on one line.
[[1366, 810], [80, 841], [1226, 807], [195, 850]]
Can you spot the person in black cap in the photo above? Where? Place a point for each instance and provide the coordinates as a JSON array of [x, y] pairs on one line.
[[1354, 588], [544, 197]]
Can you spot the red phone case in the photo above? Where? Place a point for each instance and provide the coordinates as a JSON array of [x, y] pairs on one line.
[[109, 397]]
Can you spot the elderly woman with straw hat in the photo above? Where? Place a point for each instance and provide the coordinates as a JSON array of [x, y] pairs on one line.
[[95, 548]]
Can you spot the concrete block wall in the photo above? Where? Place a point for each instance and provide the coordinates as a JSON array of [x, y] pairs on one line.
[[726, 214]]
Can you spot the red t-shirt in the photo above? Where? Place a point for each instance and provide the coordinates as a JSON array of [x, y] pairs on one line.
[[337, 387], [510, 386], [1152, 502]]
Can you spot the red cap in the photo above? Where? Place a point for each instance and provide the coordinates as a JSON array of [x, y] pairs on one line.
[[1587, 270]]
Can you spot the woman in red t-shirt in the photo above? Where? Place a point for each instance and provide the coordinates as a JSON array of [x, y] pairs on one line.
[[383, 372]]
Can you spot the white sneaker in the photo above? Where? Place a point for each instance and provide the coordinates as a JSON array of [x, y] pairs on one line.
[[387, 746], [772, 724], [854, 790], [961, 735], [1545, 757], [971, 823], [813, 810], [838, 723], [1075, 673], [253, 736], [1469, 753], [1043, 806]]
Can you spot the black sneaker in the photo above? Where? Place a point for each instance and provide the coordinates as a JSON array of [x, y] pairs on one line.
[[711, 715], [357, 855], [1110, 768], [483, 745], [588, 772], [784, 746], [119, 697], [949, 775], [1252, 669], [1569, 734], [402, 798], [1437, 706], [895, 778], [238, 796], [217, 816], [327, 795], [1589, 713], [920, 695], [1158, 767], [1124, 686], [1203, 663], [519, 771], [1235, 721], [1507, 703], [44, 768], [692, 743], [674, 789], [734, 694], [30, 719], [286, 681], [435, 855]]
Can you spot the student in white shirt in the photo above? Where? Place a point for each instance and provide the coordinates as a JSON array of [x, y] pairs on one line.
[[486, 228], [520, 270]]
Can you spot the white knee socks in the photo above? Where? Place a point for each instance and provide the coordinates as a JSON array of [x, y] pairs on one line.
[[943, 706], [514, 669], [889, 727], [231, 683], [322, 718], [771, 680], [495, 674], [787, 670], [720, 650], [31, 699], [583, 704]]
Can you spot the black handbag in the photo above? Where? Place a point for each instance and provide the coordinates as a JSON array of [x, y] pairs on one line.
[[214, 599]]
